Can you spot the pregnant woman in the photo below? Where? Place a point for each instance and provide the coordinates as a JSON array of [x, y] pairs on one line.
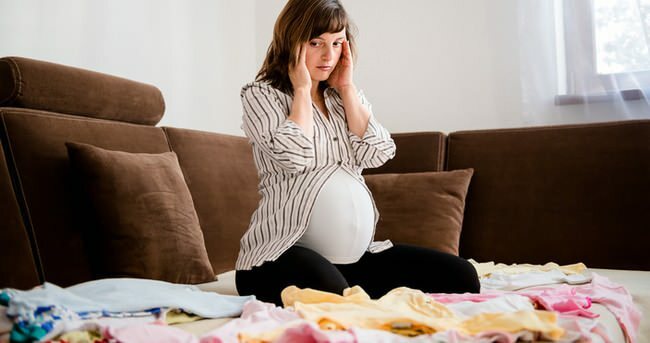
[[312, 133]]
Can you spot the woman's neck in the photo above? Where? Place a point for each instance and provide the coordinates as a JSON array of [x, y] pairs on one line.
[[315, 90]]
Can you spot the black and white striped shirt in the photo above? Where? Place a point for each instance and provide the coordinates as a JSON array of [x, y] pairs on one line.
[[292, 167]]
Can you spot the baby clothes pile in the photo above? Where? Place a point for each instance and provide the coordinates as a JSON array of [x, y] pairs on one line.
[[517, 302]]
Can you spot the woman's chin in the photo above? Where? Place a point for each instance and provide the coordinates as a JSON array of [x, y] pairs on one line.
[[320, 76]]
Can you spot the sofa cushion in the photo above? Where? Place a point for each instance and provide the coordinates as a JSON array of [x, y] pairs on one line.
[[58, 88], [424, 209], [18, 268], [36, 142], [222, 178], [147, 225]]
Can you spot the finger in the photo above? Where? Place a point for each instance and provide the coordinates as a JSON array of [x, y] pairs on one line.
[[297, 54], [348, 52], [344, 50], [303, 53]]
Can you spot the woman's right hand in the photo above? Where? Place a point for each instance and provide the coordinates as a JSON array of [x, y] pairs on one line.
[[298, 72]]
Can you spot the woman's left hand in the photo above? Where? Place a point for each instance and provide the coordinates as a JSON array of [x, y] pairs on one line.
[[341, 76]]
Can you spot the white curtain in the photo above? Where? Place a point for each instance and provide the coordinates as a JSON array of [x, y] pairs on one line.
[[584, 60]]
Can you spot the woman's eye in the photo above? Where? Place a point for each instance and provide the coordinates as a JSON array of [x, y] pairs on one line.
[[314, 43]]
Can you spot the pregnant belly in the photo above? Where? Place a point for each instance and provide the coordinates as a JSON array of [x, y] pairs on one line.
[[342, 220]]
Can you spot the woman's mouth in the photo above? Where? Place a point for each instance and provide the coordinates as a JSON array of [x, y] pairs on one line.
[[324, 68]]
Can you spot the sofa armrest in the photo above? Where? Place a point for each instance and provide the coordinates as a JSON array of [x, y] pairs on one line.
[[416, 152]]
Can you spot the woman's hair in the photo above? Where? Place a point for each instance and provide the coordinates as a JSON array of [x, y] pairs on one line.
[[300, 21]]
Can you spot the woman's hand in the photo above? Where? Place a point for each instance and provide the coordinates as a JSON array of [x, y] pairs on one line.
[[301, 107], [298, 72], [341, 76]]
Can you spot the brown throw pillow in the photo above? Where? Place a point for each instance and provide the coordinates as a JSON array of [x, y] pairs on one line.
[[147, 226], [424, 209]]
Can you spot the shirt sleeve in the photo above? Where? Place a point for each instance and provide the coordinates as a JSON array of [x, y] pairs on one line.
[[376, 146], [266, 125]]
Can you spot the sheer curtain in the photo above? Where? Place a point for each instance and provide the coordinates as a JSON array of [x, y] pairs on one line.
[[584, 61]]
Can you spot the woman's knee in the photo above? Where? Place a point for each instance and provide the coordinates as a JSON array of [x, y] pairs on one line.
[[300, 267], [460, 274], [309, 269], [442, 271], [467, 277]]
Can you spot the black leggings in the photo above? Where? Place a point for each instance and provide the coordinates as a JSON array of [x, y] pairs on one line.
[[425, 269]]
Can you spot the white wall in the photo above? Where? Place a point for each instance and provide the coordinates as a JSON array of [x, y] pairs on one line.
[[441, 65], [431, 65], [198, 53]]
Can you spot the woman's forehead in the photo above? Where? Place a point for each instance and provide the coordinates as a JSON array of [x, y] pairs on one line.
[[332, 36]]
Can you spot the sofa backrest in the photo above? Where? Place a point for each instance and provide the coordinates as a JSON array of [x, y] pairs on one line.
[[37, 144], [43, 106], [40, 85], [221, 175], [560, 193], [17, 264], [416, 152]]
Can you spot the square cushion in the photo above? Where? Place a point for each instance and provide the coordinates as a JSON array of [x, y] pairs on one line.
[[146, 221], [424, 209]]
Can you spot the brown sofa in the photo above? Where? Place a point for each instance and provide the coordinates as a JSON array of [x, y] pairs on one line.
[[558, 193]]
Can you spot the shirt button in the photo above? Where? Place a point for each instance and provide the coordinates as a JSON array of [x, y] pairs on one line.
[[335, 139], [339, 162]]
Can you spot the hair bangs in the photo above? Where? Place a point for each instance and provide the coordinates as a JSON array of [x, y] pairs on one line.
[[333, 20]]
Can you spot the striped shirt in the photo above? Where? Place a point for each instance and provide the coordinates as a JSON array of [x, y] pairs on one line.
[[292, 167]]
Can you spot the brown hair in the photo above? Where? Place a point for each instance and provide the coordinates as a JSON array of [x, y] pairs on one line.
[[300, 21]]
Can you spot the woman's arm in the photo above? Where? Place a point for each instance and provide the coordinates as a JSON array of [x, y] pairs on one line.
[[265, 123], [373, 146], [356, 114], [301, 112], [284, 138], [370, 141]]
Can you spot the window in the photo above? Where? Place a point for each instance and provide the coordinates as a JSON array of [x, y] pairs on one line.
[[622, 35], [605, 47]]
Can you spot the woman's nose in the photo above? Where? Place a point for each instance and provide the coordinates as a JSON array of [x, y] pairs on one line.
[[328, 53]]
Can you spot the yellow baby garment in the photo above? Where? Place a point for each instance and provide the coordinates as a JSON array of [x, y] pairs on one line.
[[407, 312]]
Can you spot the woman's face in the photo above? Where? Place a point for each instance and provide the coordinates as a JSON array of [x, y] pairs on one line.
[[323, 53]]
